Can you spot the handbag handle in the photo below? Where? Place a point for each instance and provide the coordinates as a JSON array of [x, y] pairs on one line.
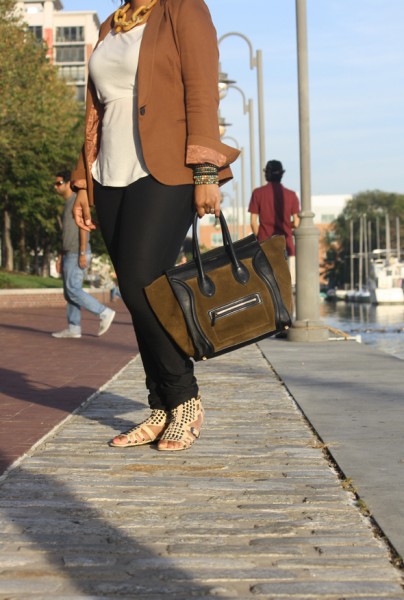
[[240, 272]]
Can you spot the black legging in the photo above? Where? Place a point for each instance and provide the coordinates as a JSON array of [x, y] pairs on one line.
[[144, 226]]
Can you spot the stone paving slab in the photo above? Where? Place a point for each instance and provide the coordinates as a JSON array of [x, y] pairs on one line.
[[352, 394], [253, 510]]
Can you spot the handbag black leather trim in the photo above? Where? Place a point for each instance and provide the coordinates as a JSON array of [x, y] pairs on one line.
[[263, 268], [186, 300]]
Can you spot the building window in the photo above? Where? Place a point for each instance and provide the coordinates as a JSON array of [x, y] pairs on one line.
[[216, 239], [72, 72], [80, 93], [69, 34], [70, 54], [36, 31], [34, 9]]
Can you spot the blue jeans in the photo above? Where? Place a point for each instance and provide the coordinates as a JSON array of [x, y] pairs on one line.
[[75, 296]]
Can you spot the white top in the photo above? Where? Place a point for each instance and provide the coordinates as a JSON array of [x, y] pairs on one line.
[[113, 69]]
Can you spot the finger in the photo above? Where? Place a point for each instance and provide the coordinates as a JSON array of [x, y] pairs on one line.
[[79, 220], [78, 216], [201, 211], [87, 217]]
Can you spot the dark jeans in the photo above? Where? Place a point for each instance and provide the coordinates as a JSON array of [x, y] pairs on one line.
[[144, 226]]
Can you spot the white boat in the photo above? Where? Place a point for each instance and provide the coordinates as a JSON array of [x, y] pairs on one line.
[[361, 295], [386, 279], [336, 295]]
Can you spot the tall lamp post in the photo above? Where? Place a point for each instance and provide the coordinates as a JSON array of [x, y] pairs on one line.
[[255, 63], [308, 326], [248, 108], [222, 125], [243, 190]]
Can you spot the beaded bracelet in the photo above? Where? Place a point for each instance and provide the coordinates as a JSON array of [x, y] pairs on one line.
[[205, 174]]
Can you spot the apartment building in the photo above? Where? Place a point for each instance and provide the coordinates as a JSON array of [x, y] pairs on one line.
[[70, 37]]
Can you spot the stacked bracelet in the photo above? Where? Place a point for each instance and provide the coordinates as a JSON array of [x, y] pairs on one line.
[[205, 174]]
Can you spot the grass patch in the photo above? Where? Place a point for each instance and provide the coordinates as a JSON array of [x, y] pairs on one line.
[[10, 281]]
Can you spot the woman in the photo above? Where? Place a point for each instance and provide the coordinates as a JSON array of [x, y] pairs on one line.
[[152, 156]]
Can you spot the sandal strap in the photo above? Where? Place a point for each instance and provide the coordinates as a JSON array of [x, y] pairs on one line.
[[157, 417], [180, 428]]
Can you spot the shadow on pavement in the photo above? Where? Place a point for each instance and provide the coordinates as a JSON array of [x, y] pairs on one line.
[[43, 379], [23, 387], [56, 543]]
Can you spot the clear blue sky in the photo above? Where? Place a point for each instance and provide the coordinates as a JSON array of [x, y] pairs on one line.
[[356, 72]]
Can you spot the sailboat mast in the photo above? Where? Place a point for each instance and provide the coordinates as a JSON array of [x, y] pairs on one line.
[[378, 233], [360, 253], [398, 238], [365, 247], [351, 257], [388, 248]]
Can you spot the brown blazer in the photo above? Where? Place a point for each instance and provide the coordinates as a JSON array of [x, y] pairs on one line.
[[177, 97]]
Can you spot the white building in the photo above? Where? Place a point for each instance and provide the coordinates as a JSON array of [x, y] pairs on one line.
[[326, 208], [70, 37]]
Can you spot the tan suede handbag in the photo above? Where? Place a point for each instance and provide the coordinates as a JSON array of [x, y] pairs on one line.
[[225, 298]]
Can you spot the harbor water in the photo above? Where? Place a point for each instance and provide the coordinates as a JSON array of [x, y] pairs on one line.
[[381, 326]]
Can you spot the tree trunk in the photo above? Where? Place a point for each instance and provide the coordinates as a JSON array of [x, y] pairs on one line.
[[22, 251], [35, 265], [8, 252], [45, 270]]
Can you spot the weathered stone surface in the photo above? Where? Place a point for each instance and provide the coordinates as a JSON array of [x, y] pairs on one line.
[[252, 510]]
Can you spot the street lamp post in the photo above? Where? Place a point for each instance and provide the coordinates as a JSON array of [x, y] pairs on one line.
[[222, 125], [248, 108], [236, 204], [243, 188], [224, 83], [255, 62], [308, 326]]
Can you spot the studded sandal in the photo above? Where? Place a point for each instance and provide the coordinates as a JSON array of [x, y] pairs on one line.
[[184, 427], [143, 433]]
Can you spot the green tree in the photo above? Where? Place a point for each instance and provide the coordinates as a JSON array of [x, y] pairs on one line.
[[375, 204], [40, 133]]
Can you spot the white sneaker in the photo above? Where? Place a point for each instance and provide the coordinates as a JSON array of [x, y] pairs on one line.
[[66, 333], [106, 318]]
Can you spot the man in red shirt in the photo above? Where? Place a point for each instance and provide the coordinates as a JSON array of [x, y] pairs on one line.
[[274, 210], [275, 206]]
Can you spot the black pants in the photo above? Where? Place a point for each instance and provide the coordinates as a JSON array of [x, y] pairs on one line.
[[144, 226]]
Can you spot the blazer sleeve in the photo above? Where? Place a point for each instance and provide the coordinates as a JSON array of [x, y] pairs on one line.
[[198, 48], [80, 176]]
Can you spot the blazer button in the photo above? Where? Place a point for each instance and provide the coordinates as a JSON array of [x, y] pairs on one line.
[[142, 110]]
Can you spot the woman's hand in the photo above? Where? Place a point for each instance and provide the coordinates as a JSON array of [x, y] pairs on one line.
[[207, 200], [81, 211]]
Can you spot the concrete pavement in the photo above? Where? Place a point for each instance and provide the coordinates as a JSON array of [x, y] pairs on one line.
[[253, 510], [353, 396]]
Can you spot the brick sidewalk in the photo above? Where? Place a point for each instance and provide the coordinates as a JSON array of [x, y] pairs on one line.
[[43, 379]]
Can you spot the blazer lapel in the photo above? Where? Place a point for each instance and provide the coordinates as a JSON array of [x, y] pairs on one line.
[[148, 49], [105, 29]]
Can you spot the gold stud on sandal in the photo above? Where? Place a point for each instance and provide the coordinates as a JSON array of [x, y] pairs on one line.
[[184, 428], [148, 431]]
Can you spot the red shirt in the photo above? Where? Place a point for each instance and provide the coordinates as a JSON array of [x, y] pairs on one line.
[[275, 205]]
